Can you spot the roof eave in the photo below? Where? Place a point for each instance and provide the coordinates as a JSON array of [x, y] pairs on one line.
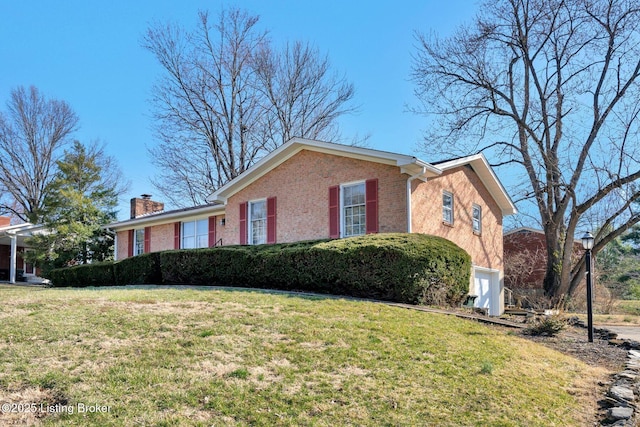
[[295, 145], [488, 177], [163, 217]]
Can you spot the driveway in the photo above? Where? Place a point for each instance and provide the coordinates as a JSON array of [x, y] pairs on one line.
[[625, 332]]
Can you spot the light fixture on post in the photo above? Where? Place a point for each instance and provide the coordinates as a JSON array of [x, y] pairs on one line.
[[587, 244]]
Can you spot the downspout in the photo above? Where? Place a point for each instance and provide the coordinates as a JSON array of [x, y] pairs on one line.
[[409, 182], [115, 246]]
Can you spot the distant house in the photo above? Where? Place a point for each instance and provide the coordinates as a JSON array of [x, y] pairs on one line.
[[309, 189], [12, 245], [525, 256]]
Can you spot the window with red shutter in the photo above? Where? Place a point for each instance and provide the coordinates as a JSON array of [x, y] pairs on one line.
[[271, 220], [147, 240], [176, 235], [212, 230], [130, 245], [243, 223], [334, 212], [371, 208]]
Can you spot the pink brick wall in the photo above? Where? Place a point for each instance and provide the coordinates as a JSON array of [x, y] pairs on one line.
[[122, 250], [485, 249], [301, 186], [162, 237]]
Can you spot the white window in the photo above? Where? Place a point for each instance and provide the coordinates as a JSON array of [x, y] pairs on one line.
[[138, 241], [477, 219], [258, 222], [195, 234], [447, 207], [353, 210]]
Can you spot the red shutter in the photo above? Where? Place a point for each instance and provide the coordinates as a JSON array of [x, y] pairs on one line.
[[147, 240], [334, 212], [371, 205], [243, 222], [176, 235], [130, 248], [271, 220], [212, 230]]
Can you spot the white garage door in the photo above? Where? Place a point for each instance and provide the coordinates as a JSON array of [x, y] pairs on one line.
[[487, 289]]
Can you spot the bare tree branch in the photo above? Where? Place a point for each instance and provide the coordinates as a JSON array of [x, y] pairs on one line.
[[563, 77], [33, 132], [227, 98]]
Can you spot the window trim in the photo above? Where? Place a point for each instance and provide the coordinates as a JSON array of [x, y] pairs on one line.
[[477, 207], [341, 196], [250, 222], [195, 235], [138, 241], [450, 209]]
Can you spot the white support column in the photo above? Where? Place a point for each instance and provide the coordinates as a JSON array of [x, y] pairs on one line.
[[14, 251]]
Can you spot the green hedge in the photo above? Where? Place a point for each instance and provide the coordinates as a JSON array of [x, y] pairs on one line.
[[409, 268], [98, 274], [138, 270]]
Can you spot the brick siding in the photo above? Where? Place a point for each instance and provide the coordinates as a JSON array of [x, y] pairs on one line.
[[301, 187], [467, 189]]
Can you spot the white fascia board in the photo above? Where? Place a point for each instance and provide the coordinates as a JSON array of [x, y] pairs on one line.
[[25, 229], [164, 218], [488, 177]]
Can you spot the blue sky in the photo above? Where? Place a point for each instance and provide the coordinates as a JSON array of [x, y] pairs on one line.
[[88, 53]]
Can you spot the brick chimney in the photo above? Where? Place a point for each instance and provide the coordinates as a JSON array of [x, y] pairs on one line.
[[5, 221], [143, 205]]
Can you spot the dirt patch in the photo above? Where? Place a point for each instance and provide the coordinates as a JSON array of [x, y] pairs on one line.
[[573, 341]]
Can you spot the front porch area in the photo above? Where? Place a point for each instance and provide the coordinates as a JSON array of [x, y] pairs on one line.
[[13, 268]]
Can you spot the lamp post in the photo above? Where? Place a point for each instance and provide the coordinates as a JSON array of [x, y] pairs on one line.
[[587, 244]]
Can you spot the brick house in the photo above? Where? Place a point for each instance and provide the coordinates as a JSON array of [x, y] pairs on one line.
[[525, 255], [309, 189]]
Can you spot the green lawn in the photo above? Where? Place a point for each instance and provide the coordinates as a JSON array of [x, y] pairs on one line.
[[238, 357]]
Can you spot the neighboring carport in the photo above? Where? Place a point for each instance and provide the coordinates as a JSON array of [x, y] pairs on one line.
[[12, 239]]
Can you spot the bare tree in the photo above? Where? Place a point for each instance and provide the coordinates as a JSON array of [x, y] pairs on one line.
[[304, 96], [33, 132], [226, 99], [550, 86]]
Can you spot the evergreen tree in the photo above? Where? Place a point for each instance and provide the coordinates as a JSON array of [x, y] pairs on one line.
[[82, 199]]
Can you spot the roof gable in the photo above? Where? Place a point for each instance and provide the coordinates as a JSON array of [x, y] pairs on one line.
[[408, 164], [480, 165]]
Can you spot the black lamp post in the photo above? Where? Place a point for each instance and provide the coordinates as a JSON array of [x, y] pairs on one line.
[[587, 244]]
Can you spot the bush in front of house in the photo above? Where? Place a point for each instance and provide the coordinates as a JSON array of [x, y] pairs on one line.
[[142, 269], [98, 274], [229, 266], [408, 268]]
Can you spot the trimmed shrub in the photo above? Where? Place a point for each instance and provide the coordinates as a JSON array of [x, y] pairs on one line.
[[98, 274], [408, 268], [142, 269], [229, 266]]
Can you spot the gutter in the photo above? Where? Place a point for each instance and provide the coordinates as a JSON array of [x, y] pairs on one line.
[[409, 181]]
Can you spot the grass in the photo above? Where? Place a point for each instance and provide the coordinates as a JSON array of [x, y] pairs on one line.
[[624, 313], [237, 357]]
